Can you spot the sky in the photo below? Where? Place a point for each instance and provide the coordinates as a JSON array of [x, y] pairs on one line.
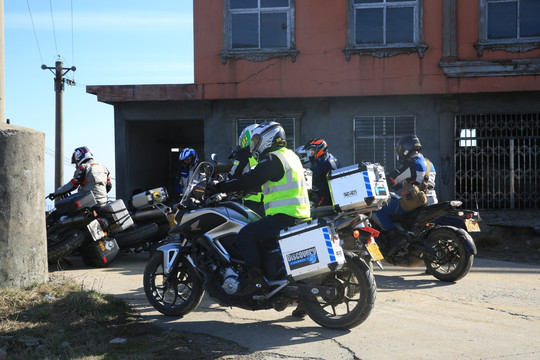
[[110, 42]]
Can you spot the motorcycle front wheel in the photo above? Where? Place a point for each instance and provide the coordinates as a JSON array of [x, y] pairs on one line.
[[451, 260], [175, 295], [353, 300]]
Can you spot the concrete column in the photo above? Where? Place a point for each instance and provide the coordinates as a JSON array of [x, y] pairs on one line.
[[23, 239], [447, 109]]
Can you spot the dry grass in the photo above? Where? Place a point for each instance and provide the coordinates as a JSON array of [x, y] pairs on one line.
[[63, 321]]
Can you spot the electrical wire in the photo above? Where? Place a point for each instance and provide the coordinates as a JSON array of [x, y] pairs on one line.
[[54, 29], [34, 28]]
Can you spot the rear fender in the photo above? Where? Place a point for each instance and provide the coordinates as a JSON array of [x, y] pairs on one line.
[[468, 241]]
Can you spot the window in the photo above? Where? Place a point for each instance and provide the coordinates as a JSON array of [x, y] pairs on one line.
[[376, 137], [258, 29], [384, 27], [510, 25], [286, 123]]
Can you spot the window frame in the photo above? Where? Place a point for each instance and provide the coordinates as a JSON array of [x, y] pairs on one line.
[[509, 44], [386, 50], [257, 54], [375, 138]]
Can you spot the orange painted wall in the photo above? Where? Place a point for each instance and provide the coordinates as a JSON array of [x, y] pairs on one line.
[[321, 69]]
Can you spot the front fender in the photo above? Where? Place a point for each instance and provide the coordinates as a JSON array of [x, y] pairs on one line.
[[170, 252]]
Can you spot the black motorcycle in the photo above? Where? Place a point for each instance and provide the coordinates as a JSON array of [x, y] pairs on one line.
[[306, 264], [435, 235]]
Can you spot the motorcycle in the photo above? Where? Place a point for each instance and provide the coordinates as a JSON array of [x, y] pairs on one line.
[[77, 224], [306, 264], [434, 235], [151, 216]]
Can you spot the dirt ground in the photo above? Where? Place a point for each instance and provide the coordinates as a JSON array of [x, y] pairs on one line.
[[508, 243]]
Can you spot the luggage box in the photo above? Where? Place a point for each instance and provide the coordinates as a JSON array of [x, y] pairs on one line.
[[310, 249], [76, 202], [118, 216], [360, 187], [100, 253], [149, 198]]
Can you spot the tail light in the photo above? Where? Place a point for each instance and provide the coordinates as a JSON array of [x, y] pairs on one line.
[[366, 232]]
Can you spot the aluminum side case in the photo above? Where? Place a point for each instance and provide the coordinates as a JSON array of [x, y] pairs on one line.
[[310, 249], [360, 187]]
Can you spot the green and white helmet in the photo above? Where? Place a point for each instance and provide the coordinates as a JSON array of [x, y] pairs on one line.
[[245, 137]]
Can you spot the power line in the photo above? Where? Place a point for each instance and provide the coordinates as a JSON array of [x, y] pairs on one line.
[[34, 28], [54, 29]]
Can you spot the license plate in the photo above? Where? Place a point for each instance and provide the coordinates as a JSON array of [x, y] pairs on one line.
[[472, 225], [374, 251], [95, 230]]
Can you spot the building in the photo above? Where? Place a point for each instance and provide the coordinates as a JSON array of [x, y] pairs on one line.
[[461, 74]]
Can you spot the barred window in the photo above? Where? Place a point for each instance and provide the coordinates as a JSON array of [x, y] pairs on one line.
[[376, 137]]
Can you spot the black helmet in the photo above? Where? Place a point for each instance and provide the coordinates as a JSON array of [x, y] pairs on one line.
[[406, 145]]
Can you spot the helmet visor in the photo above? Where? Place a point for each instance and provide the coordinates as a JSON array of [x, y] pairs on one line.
[[255, 142]]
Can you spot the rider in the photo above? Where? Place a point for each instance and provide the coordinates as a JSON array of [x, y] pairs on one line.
[[412, 168], [243, 162], [279, 173], [188, 159], [322, 162], [88, 176]]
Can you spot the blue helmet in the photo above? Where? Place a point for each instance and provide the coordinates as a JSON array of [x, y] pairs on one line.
[[188, 153], [80, 155]]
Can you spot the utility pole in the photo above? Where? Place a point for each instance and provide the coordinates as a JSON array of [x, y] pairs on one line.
[[59, 135]]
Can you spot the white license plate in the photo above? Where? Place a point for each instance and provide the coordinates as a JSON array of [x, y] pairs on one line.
[[95, 230]]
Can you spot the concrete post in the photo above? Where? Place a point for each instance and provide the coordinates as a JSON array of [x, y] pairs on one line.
[[447, 109], [23, 239]]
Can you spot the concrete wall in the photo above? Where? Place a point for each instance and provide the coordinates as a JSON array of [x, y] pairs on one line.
[[330, 118], [23, 240]]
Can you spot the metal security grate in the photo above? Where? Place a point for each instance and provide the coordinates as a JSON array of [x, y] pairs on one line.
[[496, 160]]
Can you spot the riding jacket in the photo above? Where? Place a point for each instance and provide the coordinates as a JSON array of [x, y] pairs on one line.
[[413, 170], [89, 176]]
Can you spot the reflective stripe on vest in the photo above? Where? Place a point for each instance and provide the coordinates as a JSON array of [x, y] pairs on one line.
[[255, 197], [289, 194]]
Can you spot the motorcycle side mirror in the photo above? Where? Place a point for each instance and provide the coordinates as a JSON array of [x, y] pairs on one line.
[[214, 158]]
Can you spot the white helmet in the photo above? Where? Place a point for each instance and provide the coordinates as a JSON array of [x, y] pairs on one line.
[[267, 137], [245, 137], [189, 153]]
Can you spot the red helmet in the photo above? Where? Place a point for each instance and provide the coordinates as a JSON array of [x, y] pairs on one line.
[[318, 147]]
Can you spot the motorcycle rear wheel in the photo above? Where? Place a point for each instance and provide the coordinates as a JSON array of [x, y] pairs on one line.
[[135, 235], [451, 261], [176, 297], [355, 298], [64, 245]]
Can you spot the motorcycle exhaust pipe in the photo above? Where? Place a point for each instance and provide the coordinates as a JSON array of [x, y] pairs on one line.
[[141, 216]]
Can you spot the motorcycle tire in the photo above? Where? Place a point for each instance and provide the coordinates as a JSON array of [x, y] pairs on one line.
[[178, 297], [66, 244], [452, 261], [355, 298], [135, 235]]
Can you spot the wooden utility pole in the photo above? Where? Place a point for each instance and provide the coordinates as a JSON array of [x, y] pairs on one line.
[[59, 134]]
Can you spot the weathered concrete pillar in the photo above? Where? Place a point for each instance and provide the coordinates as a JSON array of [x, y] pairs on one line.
[[23, 239], [447, 109]]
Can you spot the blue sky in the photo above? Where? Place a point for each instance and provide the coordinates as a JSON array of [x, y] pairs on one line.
[[114, 42]]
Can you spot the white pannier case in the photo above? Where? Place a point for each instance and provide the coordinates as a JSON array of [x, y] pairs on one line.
[[310, 249], [149, 198], [360, 187]]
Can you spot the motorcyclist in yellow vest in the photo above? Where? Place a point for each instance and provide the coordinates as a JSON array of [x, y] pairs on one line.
[[243, 162], [279, 173]]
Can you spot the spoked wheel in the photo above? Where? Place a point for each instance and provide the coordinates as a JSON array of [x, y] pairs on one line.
[[353, 298], [450, 261], [176, 295]]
